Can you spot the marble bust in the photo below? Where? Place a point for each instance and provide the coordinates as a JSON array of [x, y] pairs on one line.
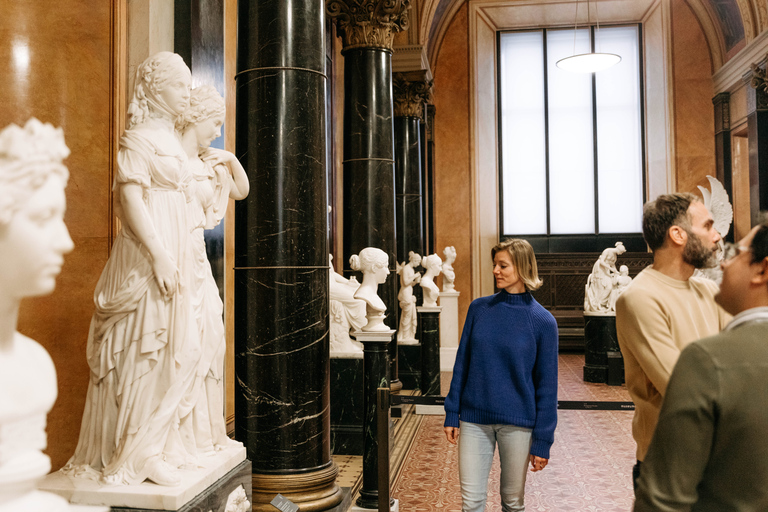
[[374, 264], [346, 313], [448, 274], [33, 242], [601, 282], [433, 265], [408, 319]]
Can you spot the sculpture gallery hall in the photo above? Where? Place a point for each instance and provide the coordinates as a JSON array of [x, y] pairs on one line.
[[246, 243]]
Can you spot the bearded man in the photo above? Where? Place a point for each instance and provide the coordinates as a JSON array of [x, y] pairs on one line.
[[665, 308]]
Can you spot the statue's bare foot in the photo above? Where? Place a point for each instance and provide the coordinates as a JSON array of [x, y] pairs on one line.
[[162, 473]]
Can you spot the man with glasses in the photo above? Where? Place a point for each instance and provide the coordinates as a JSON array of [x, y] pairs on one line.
[[665, 308], [710, 449]]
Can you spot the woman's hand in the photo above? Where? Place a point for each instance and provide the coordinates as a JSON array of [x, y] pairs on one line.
[[166, 275], [216, 156], [537, 463], [452, 434]]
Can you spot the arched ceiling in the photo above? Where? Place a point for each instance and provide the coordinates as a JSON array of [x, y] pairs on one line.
[[727, 24]]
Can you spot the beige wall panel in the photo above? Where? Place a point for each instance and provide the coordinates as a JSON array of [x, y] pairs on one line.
[[694, 112], [55, 64], [452, 178], [740, 184]]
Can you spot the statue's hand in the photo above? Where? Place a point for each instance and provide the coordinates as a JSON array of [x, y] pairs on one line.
[[215, 156], [417, 278], [166, 274]]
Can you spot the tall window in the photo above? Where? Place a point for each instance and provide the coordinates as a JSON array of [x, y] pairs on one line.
[[571, 154]]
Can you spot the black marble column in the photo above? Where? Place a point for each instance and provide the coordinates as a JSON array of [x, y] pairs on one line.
[[429, 337], [428, 180], [366, 28], [723, 144], [376, 363], [757, 133], [281, 254]]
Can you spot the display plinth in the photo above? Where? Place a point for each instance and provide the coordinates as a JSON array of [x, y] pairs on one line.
[[347, 406], [147, 496], [429, 334], [449, 329], [600, 339]]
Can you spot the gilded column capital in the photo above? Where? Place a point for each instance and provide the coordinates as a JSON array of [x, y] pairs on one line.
[[369, 23], [757, 78], [411, 90]]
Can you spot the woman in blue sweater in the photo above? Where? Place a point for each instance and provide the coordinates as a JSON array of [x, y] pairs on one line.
[[504, 386]]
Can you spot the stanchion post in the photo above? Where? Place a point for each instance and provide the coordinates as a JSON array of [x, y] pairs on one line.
[[382, 419]]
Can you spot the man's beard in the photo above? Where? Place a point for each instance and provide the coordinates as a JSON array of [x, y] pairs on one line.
[[696, 254]]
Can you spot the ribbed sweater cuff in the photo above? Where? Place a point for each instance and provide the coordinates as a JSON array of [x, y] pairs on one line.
[[540, 448], [451, 419]]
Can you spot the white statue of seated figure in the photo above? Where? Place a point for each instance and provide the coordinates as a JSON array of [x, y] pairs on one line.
[[374, 264], [346, 313], [33, 241], [433, 265]]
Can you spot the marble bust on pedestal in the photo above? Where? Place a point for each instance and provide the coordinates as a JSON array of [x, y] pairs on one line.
[[374, 264], [432, 264], [33, 242]]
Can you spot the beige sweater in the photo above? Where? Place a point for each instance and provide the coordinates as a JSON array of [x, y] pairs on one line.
[[656, 317]]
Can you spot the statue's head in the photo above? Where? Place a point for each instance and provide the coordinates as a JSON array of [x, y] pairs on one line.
[[162, 88], [33, 237], [432, 262], [414, 258], [205, 115], [371, 260], [450, 254]]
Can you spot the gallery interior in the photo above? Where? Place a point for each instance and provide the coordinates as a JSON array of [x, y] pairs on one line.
[[394, 124]]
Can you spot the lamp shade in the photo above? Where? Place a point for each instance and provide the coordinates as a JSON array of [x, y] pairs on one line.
[[588, 62]]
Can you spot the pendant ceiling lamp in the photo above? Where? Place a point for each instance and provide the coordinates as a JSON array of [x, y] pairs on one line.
[[588, 62]]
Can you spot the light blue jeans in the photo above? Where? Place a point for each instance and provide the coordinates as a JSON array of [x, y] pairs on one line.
[[477, 444]]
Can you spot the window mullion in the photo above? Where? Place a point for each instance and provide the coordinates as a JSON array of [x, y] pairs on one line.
[[546, 126], [594, 138]]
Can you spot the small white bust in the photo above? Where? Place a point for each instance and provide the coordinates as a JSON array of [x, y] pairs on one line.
[[447, 269], [33, 242], [374, 264], [433, 264]]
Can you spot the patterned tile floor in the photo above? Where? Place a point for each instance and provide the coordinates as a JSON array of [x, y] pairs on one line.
[[589, 469]]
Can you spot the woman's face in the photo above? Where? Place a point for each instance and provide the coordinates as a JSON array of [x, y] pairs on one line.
[[175, 93], [208, 130], [34, 243], [380, 273], [505, 273]]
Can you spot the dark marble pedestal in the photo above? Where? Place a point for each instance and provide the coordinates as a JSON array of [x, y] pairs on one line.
[[216, 497], [410, 365], [347, 406], [600, 339], [429, 336]]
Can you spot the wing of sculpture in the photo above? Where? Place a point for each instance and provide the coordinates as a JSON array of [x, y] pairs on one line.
[[399, 267], [719, 205]]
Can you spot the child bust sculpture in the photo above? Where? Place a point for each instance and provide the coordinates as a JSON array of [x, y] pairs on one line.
[[33, 242]]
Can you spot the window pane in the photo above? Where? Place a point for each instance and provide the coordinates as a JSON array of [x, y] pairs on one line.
[[620, 186], [522, 133], [571, 150]]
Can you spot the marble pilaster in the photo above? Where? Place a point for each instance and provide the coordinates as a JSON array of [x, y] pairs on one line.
[[281, 255], [367, 28], [757, 128]]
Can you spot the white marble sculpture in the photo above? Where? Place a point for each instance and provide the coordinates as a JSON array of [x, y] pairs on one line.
[[217, 176], [621, 282], [448, 274], [144, 343], [601, 282], [33, 242], [346, 313], [406, 334], [433, 265], [720, 208], [374, 264]]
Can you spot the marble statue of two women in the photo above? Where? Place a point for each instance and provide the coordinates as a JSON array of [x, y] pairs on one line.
[[33, 242], [155, 346], [433, 265], [408, 277], [374, 264], [599, 294], [346, 312]]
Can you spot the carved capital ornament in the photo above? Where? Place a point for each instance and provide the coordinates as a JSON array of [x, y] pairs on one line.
[[410, 96], [758, 80], [369, 23]]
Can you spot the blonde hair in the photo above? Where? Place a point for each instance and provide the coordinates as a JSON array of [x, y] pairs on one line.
[[524, 260]]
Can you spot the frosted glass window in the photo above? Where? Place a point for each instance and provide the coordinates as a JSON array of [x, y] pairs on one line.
[[571, 144], [523, 137], [619, 151]]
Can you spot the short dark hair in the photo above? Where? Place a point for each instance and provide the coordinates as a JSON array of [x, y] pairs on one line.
[[666, 211], [760, 243]]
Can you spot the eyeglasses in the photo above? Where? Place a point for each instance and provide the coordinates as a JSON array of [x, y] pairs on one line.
[[733, 250]]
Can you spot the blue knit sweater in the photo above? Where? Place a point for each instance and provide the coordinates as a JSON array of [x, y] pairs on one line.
[[506, 368]]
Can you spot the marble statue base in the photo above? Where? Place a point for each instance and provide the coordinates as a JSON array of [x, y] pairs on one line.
[[347, 406], [449, 329], [148, 496], [412, 341], [600, 339]]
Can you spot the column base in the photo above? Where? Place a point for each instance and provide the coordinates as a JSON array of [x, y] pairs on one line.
[[370, 501], [395, 385], [394, 506], [314, 491]]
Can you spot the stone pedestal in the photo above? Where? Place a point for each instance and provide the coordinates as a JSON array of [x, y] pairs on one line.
[[429, 334], [376, 360], [449, 329], [347, 384], [410, 365], [599, 339]]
